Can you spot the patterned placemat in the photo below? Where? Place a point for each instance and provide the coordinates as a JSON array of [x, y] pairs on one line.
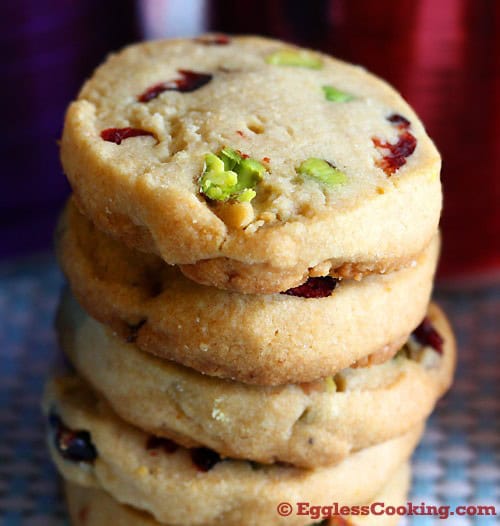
[[457, 463]]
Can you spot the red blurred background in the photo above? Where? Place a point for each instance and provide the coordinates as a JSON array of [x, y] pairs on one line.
[[443, 56]]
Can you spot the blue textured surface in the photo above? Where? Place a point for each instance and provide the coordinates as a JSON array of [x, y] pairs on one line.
[[458, 461]]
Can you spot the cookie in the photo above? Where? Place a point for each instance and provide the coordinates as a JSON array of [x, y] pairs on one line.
[[94, 507], [307, 425], [94, 448], [252, 164], [261, 339]]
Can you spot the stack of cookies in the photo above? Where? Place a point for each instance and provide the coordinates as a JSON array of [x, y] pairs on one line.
[[250, 250]]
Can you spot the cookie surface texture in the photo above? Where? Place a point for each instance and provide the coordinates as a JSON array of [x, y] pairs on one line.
[[314, 184], [94, 507], [167, 481], [307, 425], [253, 338]]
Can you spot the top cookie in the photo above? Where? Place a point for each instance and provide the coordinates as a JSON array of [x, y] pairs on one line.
[[251, 163]]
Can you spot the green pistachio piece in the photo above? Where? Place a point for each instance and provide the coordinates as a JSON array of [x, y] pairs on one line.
[[213, 163], [250, 172], [223, 179], [322, 171], [214, 192], [291, 57], [246, 195], [230, 158], [402, 354], [335, 95], [228, 175], [218, 185], [330, 385], [429, 358], [216, 182]]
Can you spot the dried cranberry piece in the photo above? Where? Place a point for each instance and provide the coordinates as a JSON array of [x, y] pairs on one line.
[[398, 152], [242, 155], [399, 121], [167, 445], [426, 334], [152, 92], [394, 155], [76, 446], [214, 40], [320, 287], [204, 459], [73, 445], [189, 81], [117, 135]]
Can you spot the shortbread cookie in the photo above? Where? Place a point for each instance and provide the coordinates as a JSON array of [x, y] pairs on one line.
[[394, 494], [308, 425], [261, 339], [94, 507], [254, 163], [92, 447]]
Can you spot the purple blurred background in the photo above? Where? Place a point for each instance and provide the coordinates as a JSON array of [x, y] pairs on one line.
[[443, 56], [48, 49]]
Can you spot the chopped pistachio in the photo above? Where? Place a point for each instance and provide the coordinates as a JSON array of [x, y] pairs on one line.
[[306, 416], [402, 354], [322, 171], [413, 348], [291, 57], [216, 183], [422, 354], [429, 358], [335, 95], [330, 384], [228, 175], [223, 178], [340, 380], [230, 158], [213, 163], [250, 172], [246, 195]]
